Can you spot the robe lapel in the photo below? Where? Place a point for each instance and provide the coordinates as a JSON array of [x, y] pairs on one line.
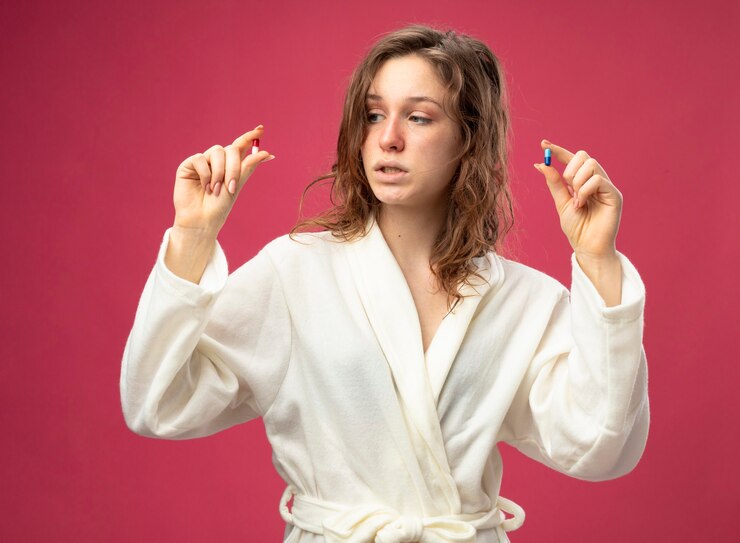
[[390, 309], [446, 343]]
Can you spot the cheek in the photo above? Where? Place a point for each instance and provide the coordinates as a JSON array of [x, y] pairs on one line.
[[455, 142], [366, 142], [446, 149]]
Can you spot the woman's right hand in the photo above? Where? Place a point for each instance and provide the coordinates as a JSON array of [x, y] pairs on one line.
[[203, 197]]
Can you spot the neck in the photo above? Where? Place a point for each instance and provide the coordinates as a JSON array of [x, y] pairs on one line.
[[410, 234]]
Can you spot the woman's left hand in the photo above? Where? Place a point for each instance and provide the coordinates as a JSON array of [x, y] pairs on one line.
[[587, 201]]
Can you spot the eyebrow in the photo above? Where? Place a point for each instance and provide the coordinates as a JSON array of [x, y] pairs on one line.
[[413, 99]]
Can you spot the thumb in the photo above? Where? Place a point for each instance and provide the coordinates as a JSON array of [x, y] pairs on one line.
[[250, 163], [555, 183]]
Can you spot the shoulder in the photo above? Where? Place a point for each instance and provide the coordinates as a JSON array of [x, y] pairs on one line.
[[304, 247], [289, 258], [526, 279]]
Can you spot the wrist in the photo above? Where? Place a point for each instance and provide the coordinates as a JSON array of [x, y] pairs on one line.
[[600, 260], [188, 252], [605, 273], [193, 234]]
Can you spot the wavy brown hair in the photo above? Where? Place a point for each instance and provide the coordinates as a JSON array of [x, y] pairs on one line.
[[480, 211]]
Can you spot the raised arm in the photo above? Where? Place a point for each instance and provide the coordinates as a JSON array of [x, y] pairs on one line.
[[202, 205], [200, 356], [583, 407], [589, 207]]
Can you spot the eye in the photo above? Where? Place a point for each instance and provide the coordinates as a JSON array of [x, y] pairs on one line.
[[373, 117], [420, 120]]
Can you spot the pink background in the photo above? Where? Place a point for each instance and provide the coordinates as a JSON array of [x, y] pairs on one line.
[[102, 100]]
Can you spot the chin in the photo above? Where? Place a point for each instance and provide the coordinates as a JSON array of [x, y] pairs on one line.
[[391, 195]]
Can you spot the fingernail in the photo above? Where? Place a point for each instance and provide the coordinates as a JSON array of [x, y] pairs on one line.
[[258, 126], [537, 167], [547, 142], [269, 158], [232, 186], [217, 189]]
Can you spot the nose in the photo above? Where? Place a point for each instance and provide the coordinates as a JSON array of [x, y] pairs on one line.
[[391, 136]]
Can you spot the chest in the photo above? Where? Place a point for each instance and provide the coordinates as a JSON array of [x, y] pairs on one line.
[[430, 302]]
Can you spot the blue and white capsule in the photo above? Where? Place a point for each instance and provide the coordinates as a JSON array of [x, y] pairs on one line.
[[548, 156]]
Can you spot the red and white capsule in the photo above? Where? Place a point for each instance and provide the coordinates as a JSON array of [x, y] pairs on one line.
[[255, 146]]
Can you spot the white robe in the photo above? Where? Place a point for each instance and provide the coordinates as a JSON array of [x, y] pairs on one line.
[[377, 439]]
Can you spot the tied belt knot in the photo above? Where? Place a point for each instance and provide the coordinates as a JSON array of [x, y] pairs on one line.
[[402, 530], [382, 524]]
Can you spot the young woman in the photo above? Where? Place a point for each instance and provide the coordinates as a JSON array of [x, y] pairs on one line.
[[390, 352]]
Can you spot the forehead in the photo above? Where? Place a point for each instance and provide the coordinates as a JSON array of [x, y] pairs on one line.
[[401, 77]]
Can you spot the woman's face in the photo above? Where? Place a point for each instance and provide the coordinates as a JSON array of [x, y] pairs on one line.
[[409, 130]]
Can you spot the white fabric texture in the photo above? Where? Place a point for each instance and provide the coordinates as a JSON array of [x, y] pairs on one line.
[[321, 339]]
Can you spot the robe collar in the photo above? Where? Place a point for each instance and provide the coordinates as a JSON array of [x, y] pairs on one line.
[[418, 376]]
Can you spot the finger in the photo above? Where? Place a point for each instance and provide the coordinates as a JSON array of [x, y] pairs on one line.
[[599, 187], [558, 188], [561, 154], [575, 164], [248, 165], [244, 142], [200, 163], [589, 188], [216, 158], [233, 165], [587, 170]]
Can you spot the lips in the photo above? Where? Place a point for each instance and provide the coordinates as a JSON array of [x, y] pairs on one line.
[[390, 167], [390, 175]]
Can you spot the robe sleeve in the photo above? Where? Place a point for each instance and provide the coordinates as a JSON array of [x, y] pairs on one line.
[[202, 358], [582, 407]]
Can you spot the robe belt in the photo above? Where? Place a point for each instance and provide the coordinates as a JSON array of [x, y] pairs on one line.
[[382, 524]]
